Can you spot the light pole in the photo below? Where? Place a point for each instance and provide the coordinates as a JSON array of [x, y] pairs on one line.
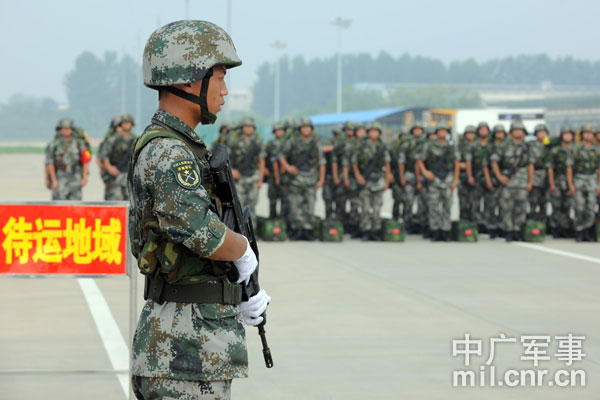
[[279, 46], [341, 23]]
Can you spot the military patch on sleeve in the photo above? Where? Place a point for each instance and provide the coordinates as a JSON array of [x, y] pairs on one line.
[[186, 173]]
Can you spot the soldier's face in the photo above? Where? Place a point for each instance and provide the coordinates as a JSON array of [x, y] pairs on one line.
[[65, 132], [587, 136], [217, 90], [567, 137], [374, 134], [500, 135], [483, 131], [247, 129], [518, 134], [442, 133], [279, 133], [417, 132], [470, 136], [306, 130], [126, 126], [349, 132], [541, 135], [360, 132]]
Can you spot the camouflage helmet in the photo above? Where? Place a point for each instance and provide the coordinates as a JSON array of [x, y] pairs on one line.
[[482, 124], [442, 125], [247, 122], [540, 128], [470, 129], [415, 125], [405, 130], [127, 118], [566, 129], [277, 126], [518, 125], [430, 130], [375, 126], [499, 128], [65, 123], [348, 125], [358, 125], [115, 121], [305, 121], [185, 52], [587, 128], [336, 130]]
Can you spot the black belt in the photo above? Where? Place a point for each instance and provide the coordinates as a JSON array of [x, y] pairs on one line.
[[219, 292]]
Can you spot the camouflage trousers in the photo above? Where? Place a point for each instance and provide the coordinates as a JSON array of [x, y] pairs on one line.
[[439, 203], [562, 202], [275, 194], [407, 200], [69, 186], [247, 190], [328, 194], [341, 198], [465, 192], [484, 207], [585, 200], [355, 203], [116, 189], [513, 207], [301, 196], [371, 198], [146, 388], [538, 203], [421, 218]]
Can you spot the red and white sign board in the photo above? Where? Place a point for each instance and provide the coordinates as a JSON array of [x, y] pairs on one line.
[[59, 239]]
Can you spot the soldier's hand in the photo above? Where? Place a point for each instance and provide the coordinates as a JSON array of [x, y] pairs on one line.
[[254, 308], [471, 181], [453, 187], [347, 183], [293, 170], [598, 191], [490, 187], [246, 264], [83, 181], [402, 181], [361, 180], [114, 171], [267, 172], [529, 187], [419, 186], [259, 184], [504, 179], [429, 175], [319, 184], [47, 183], [55, 185], [236, 174], [336, 181], [572, 190]]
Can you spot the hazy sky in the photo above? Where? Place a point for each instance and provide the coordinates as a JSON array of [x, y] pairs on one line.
[[41, 39]]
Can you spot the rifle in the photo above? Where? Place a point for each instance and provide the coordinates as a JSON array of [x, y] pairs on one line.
[[237, 219]]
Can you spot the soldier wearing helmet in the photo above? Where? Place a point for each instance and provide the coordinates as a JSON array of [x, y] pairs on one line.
[[66, 166], [371, 168], [115, 158], [466, 181], [586, 177], [337, 159], [352, 188], [223, 136], [393, 150], [247, 155], [302, 158], [272, 150], [539, 196], [513, 167], [193, 313], [328, 191], [113, 128], [560, 181], [438, 162], [406, 176]]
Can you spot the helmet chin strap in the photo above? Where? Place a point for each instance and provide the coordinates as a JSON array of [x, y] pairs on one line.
[[206, 117]]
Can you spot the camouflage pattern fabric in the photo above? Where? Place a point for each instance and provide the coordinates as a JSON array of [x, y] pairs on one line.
[[68, 167], [341, 193], [492, 212], [116, 150], [328, 189], [183, 341], [585, 179], [539, 195], [562, 201], [353, 191], [397, 193], [160, 388], [301, 187], [239, 148], [480, 193], [465, 191], [371, 194], [513, 158], [274, 193]]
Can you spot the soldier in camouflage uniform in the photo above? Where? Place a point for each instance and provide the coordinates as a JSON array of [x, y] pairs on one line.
[[482, 192], [337, 159], [350, 184], [190, 340], [560, 180], [494, 212], [597, 134], [422, 215], [466, 181], [328, 190], [115, 156], [371, 167], [406, 174], [65, 172], [438, 163], [513, 167], [393, 151], [538, 198], [272, 151], [114, 127], [223, 136], [302, 157], [586, 178], [247, 156]]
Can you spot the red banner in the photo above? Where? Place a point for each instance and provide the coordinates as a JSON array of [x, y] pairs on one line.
[[59, 239]]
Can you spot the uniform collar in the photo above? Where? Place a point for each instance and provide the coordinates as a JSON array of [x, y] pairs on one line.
[[174, 123]]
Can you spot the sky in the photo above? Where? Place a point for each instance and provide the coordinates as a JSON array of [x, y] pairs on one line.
[[41, 39]]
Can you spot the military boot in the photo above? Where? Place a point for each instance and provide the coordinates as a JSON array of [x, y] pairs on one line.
[[508, 236], [579, 236], [273, 210], [493, 233], [365, 236], [590, 234]]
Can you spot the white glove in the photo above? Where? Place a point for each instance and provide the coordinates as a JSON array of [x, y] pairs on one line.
[[246, 264], [254, 308]]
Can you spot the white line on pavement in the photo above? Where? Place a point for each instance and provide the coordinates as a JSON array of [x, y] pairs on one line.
[[116, 348], [559, 252]]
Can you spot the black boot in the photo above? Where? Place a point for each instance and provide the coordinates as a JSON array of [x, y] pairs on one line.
[[427, 233], [445, 236], [365, 236], [493, 233], [508, 236], [309, 235], [273, 210], [579, 236], [375, 236], [516, 236], [396, 210], [590, 234]]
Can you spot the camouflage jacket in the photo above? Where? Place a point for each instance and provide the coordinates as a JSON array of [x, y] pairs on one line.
[[439, 158], [408, 151], [364, 157], [171, 190], [245, 153], [479, 153], [560, 158], [539, 154], [339, 152], [587, 159], [117, 149], [65, 155], [513, 159], [272, 151], [394, 149], [294, 149]]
